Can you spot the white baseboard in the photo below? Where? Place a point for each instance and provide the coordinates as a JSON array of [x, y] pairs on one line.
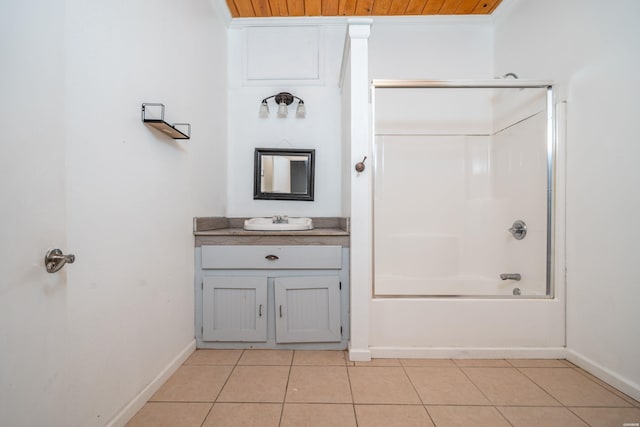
[[359, 355], [139, 401], [468, 353], [625, 385]]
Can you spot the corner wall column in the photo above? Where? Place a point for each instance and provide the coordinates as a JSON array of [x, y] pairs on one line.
[[361, 188]]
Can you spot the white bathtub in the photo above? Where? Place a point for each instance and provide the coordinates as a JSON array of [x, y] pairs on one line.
[[468, 286]]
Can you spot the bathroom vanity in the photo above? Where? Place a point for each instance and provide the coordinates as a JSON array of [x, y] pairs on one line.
[[271, 289]]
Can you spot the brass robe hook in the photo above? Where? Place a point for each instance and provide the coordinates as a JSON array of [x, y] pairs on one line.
[[360, 165]]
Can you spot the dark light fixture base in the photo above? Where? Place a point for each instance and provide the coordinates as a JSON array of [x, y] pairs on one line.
[[285, 97]]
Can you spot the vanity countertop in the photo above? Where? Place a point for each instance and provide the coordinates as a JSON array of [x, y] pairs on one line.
[[230, 231]]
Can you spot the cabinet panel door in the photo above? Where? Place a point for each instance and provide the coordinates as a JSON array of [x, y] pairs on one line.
[[234, 309], [307, 309]]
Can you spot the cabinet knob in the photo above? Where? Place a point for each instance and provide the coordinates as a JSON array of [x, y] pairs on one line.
[[271, 257]]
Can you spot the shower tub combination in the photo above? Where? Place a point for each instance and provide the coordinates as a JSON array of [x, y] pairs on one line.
[[463, 189]]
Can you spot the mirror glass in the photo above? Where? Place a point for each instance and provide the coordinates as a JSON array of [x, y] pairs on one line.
[[283, 174]]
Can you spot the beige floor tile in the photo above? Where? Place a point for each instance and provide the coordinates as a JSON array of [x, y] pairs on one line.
[[531, 416], [444, 386], [538, 363], [612, 389], [317, 415], [381, 385], [214, 357], [170, 414], [256, 384], [435, 363], [509, 387], [193, 384], [608, 417], [482, 363], [379, 362], [266, 357], [392, 415], [571, 388], [244, 415], [319, 358], [464, 416], [318, 384]]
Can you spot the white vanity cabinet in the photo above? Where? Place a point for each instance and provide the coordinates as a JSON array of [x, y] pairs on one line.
[[269, 296]]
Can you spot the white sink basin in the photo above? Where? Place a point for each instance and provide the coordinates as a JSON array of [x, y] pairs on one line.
[[267, 224]]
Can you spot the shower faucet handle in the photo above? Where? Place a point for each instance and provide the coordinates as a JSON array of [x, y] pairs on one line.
[[518, 229]]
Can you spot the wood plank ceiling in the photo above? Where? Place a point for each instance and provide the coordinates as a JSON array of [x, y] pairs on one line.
[[279, 8]]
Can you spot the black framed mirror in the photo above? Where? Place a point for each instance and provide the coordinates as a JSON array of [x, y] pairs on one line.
[[283, 174]]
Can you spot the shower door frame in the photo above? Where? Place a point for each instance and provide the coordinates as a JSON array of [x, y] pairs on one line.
[[551, 148]]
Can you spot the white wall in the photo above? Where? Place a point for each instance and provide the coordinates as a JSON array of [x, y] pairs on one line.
[[592, 53], [305, 61], [436, 47], [131, 194]]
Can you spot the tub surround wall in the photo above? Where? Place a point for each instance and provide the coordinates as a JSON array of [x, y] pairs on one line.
[[461, 181]]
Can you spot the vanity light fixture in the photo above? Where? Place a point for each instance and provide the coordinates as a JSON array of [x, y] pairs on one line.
[[283, 100]]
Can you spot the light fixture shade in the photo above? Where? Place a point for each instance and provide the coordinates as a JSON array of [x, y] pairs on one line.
[[264, 110], [282, 110], [301, 111]]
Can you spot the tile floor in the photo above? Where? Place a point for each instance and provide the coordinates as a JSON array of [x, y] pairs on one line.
[[322, 388]]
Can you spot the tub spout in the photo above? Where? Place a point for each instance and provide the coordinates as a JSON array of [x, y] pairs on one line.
[[510, 276]]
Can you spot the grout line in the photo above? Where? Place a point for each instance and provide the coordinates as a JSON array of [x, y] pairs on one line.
[[504, 416], [577, 415], [207, 416], [475, 385], [286, 388], [491, 405], [415, 390], [538, 385], [222, 388], [630, 400], [353, 401], [404, 369]]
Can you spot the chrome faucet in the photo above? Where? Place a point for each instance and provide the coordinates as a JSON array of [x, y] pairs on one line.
[[280, 219], [510, 276]]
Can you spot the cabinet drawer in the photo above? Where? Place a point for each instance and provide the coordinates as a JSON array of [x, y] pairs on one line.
[[271, 257]]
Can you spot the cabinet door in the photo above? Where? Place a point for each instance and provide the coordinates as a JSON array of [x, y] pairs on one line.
[[307, 309], [234, 309]]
